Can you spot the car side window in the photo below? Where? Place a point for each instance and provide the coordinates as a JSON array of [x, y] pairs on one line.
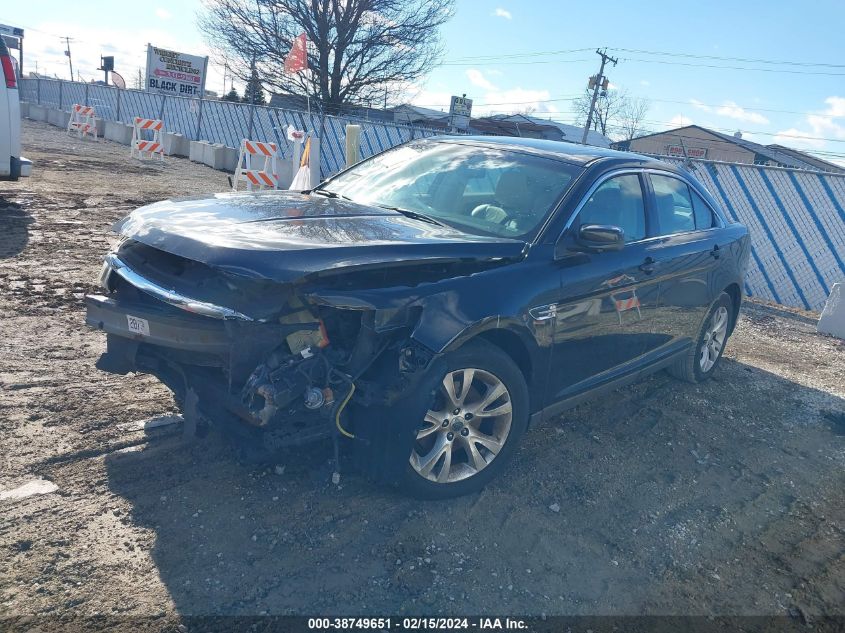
[[673, 205], [618, 202], [702, 211]]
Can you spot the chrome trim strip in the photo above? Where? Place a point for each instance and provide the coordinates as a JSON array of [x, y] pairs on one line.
[[543, 313], [171, 296]]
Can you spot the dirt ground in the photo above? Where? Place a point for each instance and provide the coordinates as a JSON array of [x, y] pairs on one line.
[[666, 498]]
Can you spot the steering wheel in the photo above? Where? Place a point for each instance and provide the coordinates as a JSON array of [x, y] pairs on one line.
[[490, 213]]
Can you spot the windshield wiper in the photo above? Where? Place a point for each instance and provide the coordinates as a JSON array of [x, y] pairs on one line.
[[326, 193], [413, 214]]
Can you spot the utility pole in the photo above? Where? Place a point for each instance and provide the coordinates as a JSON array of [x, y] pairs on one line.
[[67, 52], [598, 84]]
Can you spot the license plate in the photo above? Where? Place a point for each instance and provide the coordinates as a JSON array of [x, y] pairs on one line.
[[137, 325]]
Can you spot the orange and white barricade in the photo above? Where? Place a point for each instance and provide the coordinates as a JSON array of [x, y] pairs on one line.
[[142, 145], [620, 302], [256, 166], [82, 121]]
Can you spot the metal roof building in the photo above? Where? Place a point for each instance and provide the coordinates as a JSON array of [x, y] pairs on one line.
[[695, 141]]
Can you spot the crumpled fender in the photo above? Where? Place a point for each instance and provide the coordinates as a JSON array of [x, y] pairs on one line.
[[451, 310]]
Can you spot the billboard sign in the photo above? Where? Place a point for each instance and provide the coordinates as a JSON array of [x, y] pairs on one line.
[[460, 109], [177, 74]]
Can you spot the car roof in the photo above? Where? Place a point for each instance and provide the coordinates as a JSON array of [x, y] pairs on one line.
[[574, 153]]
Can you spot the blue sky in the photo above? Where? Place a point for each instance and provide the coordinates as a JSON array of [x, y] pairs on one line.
[[483, 38]]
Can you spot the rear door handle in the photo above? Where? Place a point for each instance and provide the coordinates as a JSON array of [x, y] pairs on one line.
[[648, 265], [715, 252]]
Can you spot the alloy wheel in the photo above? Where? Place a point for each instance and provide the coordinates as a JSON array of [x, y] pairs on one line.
[[714, 339], [466, 429]]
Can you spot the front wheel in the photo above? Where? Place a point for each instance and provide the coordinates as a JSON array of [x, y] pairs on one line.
[[473, 424], [700, 361]]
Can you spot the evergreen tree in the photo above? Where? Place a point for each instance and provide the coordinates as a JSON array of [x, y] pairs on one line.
[[232, 95], [254, 93]]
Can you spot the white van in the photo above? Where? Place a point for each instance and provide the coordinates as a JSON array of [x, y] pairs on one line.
[[12, 164]]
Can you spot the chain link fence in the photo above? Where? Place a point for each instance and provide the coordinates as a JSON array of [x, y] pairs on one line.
[[223, 122]]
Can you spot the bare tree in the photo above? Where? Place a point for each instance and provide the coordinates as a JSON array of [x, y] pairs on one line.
[[359, 50], [617, 114], [607, 109], [631, 119]]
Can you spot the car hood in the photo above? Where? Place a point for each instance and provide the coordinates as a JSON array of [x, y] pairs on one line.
[[285, 236]]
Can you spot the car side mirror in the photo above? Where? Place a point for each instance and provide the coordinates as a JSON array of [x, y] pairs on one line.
[[601, 237]]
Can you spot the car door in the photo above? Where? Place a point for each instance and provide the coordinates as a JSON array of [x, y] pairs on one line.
[[606, 301], [687, 251]]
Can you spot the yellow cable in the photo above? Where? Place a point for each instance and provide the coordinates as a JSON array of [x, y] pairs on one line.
[[340, 410]]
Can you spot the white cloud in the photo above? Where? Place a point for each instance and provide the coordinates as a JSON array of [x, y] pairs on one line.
[[700, 106], [836, 107], [733, 111], [432, 99], [645, 82], [797, 138], [822, 124], [163, 14], [514, 100], [502, 13], [825, 126], [477, 78], [679, 120]]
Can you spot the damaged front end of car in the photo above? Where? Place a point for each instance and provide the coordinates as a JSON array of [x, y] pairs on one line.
[[283, 363], [271, 356]]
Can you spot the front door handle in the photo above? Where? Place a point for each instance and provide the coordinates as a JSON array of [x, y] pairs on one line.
[[715, 252], [648, 265]]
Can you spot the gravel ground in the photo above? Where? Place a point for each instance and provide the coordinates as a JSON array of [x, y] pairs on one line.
[[666, 498]]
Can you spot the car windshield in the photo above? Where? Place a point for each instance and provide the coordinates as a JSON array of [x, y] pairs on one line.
[[476, 189]]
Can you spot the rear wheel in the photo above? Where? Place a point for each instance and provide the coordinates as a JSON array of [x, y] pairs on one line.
[[472, 425], [701, 360]]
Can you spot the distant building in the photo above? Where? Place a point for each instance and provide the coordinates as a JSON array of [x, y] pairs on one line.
[[407, 114], [520, 125], [697, 142], [301, 103], [526, 126]]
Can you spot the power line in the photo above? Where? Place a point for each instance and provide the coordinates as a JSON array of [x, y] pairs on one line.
[[480, 58], [744, 68], [732, 59], [517, 55]]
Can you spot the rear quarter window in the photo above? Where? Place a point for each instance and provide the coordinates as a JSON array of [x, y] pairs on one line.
[[703, 213]]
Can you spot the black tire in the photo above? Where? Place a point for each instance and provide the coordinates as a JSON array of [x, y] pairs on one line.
[[688, 367], [484, 356]]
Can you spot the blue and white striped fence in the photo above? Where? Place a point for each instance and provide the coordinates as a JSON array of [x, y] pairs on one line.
[[796, 218], [797, 224]]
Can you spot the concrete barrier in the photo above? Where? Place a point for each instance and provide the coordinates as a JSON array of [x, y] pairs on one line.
[[37, 112], [59, 118], [196, 150], [230, 159], [315, 161], [118, 132], [24, 109], [175, 144], [285, 169], [832, 320], [215, 156]]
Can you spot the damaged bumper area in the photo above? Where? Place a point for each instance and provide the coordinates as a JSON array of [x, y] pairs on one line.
[[252, 351]]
